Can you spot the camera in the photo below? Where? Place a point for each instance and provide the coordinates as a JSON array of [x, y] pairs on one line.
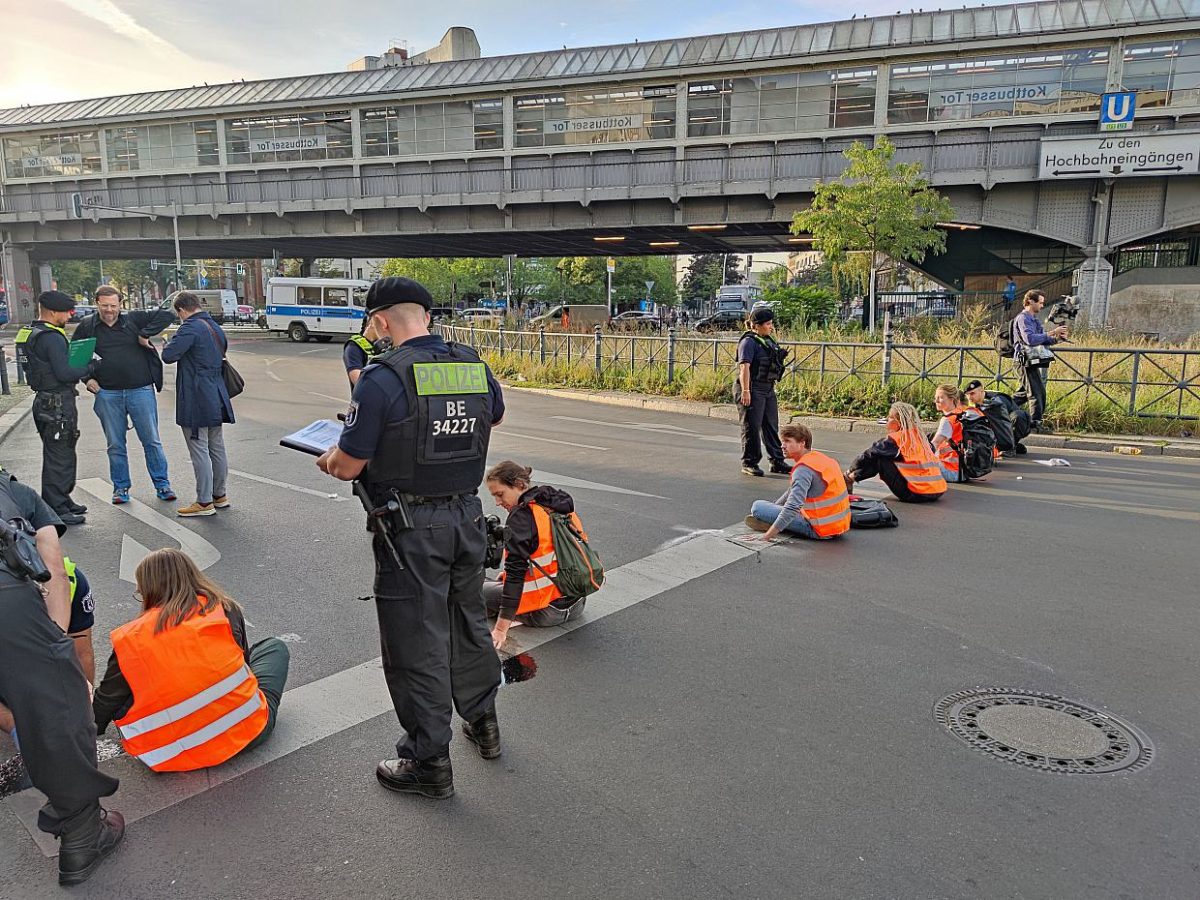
[[19, 553], [497, 535]]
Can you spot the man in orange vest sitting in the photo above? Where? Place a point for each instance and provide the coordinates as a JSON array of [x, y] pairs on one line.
[[816, 504]]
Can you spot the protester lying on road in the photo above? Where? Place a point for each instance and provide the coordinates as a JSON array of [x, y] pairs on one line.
[[816, 504], [524, 592], [903, 460], [185, 688]]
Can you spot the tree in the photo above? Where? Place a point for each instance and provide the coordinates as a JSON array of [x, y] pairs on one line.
[[774, 278], [703, 276], [802, 305], [876, 206]]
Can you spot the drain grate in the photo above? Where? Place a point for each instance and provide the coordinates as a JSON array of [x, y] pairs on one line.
[[1043, 731]]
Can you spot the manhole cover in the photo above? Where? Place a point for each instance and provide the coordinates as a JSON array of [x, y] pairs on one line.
[[1043, 731]]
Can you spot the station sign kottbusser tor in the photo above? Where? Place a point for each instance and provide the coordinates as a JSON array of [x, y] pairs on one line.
[[1141, 154]]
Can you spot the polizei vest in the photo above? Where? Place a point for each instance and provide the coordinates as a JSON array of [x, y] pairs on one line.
[[441, 447], [38, 372]]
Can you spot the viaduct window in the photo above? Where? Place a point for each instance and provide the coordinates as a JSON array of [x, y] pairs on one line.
[[289, 137], [782, 103], [1036, 84], [1164, 74], [173, 146], [615, 115], [424, 128], [40, 155]]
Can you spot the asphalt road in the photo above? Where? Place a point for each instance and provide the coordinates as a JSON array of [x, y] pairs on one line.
[[756, 728]]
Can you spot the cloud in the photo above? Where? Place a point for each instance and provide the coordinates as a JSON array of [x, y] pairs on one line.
[[108, 13]]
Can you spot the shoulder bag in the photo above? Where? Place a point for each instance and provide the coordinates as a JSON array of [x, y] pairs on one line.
[[234, 383]]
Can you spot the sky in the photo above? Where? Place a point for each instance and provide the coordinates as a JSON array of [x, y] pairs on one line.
[[55, 50]]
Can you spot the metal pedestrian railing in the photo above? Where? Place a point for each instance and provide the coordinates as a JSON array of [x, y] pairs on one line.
[[1135, 381]]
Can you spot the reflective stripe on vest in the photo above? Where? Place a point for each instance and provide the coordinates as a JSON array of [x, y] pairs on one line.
[[539, 591], [922, 475], [835, 497], [366, 346], [948, 452], [195, 701], [71, 579]]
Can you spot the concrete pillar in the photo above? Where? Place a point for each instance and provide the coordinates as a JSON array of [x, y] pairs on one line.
[[20, 284], [1092, 283]]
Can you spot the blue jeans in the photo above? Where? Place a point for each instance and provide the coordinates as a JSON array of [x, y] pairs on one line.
[[114, 409], [951, 476], [768, 512]]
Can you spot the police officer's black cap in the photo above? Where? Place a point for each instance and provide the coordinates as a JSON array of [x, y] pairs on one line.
[[762, 315], [972, 385], [56, 301], [395, 290]]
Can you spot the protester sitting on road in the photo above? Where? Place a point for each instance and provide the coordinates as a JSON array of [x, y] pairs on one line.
[[903, 460], [202, 403], [129, 374], [185, 688], [975, 401], [816, 504], [948, 436], [524, 592]]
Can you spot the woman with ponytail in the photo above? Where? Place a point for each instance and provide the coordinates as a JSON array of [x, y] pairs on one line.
[[903, 460]]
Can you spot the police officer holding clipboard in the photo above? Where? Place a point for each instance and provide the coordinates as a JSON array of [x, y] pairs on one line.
[[416, 441]]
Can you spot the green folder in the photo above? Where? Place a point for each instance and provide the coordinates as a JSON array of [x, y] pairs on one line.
[[81, 352]]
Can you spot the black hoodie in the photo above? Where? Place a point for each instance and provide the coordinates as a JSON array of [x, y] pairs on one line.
[[523, 541]]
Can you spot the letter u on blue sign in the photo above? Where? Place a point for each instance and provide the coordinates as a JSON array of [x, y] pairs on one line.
[[1118, 107]]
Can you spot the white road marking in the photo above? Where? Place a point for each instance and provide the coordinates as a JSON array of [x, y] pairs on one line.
[[271, 374], [579, 483], [324, 495], [672, 430], [314, 350], [520, 436], [132, 553], [322, 708], [201, 551], [341, 400]]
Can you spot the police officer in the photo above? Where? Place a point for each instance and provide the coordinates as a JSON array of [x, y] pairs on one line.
[[416, 438], [43, 350], [760, 365], [43, 684], [360, 350]]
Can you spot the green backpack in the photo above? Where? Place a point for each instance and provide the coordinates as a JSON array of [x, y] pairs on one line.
[[580, 571]]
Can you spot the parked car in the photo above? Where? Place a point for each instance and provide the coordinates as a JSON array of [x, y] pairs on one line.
[[635, 321], [81, 310], [245, 315], [724, 320], [441, 313], [481, 316]]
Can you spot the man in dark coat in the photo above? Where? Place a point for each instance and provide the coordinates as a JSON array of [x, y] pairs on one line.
[[202, 402]]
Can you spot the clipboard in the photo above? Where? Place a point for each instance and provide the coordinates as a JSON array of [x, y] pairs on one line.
[[314, 439], [80, 352]]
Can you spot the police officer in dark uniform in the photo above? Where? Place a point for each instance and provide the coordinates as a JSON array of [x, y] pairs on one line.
[[761, 363], [416, 440], [43, 350], [43, 684], [363, 347]]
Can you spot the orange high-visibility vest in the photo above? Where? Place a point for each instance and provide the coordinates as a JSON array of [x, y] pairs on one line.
[[828, 514], [947, 452], [539, 591], [195, 701], [921, 472]]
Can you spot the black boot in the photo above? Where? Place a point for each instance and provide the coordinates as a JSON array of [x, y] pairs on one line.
[[781, 468], [430, 777], [78, 508], [484, 733], [84, 847]]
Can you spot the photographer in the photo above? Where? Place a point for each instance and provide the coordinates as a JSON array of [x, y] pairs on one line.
[[42, 682], [1032, 354], [524, 592]]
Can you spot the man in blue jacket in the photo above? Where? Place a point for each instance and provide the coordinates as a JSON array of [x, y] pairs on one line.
[[1028, 334], [202, 402]]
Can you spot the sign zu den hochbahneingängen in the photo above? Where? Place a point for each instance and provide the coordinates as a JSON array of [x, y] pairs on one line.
[[1140, 155]]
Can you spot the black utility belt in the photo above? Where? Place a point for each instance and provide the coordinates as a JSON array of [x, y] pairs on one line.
[[418, 500]]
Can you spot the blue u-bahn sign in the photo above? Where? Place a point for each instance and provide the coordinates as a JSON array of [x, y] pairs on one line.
[[1117, 111]]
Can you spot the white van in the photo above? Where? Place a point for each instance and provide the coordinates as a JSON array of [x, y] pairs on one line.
[[320, 308], [221, 305]]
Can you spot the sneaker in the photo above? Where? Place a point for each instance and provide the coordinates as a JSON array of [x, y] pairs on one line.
[[221, 502], [120, 495], [752, 470], [165, 493], [781, 469], [196, 509], [756, 524], [430, 778]]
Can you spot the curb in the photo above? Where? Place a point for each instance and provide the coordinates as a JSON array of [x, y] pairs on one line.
[[725, 411], [14, 417]]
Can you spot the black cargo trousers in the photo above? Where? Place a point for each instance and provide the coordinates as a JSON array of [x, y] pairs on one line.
[[57, 420], [43, 685], [433, 629]]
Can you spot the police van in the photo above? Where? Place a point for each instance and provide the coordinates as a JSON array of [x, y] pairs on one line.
[[318, 308]]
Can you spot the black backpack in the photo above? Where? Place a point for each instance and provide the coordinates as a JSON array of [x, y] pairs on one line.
[[872, 514], [975, 452], [1000, 417], [1004, 339]]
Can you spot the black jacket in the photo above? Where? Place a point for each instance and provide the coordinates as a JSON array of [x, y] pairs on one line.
[[137, 323], [523, 540]]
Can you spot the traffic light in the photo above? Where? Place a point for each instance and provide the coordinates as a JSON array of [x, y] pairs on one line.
[[77, 206], [241, 269]]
